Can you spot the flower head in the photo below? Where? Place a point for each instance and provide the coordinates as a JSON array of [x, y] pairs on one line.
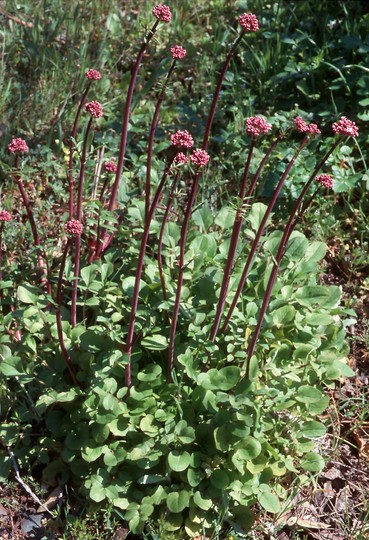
[[249, 22], [110, 166], [17, 145], [162, 12], [178, 52], [325, 180], [303, 127], [181, 159], [73, 227], [314, 130], [199, 157], [345, 127], [256, 125], [93, 74], [94, 108], [182, 139], [5, 215]]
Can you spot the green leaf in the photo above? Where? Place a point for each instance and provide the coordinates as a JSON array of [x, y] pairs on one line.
[[28, 294], [184, 432], [205, 503], [256, 214], [150, 373], [178, 501], [155, 342], [220, 479], [308, 394], [203, 217], [315, 251], [312, 462], [220, 379], [313, 429], [97, 492], [296, 247], [268, 500], [11, 366], [178, 461], [283, 315], [319, 296], [194, 477]]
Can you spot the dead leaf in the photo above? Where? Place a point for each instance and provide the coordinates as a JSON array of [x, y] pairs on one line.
[[55, 496], [307, 524], [361, 439]]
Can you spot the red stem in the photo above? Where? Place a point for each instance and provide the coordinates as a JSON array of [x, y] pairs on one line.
[[41, 263], [191, 201], [161, 234], [79, 217], [232, 247], [59, 317], [139, 268], [71, 150], [276, 264], [255, 243], [153, 127], [123, 140]]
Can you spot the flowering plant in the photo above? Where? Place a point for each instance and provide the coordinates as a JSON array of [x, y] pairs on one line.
[[156, 341]]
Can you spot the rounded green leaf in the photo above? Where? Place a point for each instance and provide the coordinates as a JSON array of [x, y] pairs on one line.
[[309, 394], [313, 429], [220, 479], [178, 461], [155, 342], [178, 501], [312, 462], [220, 379], [269, 501], [201, 501]]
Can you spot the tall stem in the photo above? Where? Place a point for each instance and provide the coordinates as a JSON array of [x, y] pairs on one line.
[[59, 317], [79, 217], [125, 121], [139, 268], [232, 247], [161, 235], [41, 263], [276, 264], [190, 203], [217, 90], [153, 127], [71, 150], [259, 233]]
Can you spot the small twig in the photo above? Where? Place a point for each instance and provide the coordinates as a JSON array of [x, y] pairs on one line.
[[15, 19], [23, 484]]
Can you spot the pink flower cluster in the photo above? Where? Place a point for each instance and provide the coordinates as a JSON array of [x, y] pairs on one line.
[[162, 12], [345, 127], [249, 22], [303, 127], [325, 180], [182, 139], [199, 157], [17, 145], [256, 125], [5, 215], [95, 109], [181, 159], [73, 227], [110, 166], [93, 74], [178, 52]]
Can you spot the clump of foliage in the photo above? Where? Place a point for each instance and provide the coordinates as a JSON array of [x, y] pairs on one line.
[[117, 373]]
